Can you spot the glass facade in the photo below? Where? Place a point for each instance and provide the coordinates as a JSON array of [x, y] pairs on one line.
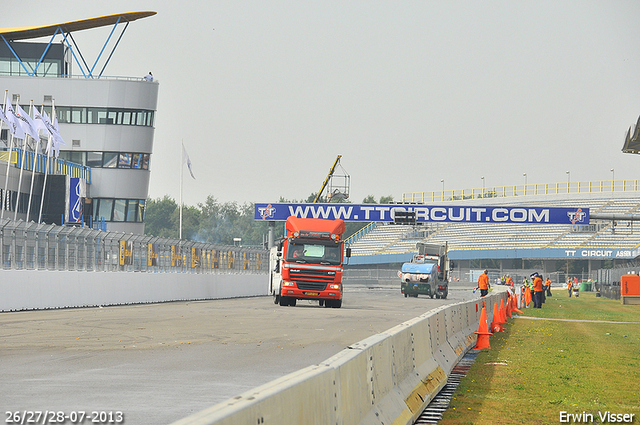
[[116, 116], [93, 159], [121, 210], [48, 68]]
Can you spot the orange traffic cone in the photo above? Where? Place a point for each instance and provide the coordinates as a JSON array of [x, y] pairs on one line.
[[503, 313], [527, 297], [496, 324], [514, 306], [483, 332], [508, 309]]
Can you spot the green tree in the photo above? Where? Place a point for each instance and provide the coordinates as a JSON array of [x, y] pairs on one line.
[[370, 199], [159, 217], [386, 199]]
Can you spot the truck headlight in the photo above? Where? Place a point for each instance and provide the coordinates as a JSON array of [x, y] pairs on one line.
[[286, 283], [334, 286]]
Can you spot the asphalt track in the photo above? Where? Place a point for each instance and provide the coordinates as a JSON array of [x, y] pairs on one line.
[[158, 363]]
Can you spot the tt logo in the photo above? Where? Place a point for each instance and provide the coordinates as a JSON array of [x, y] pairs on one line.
[[577, 217], [267, 212]]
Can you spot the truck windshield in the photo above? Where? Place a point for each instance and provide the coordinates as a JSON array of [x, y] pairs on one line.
[[313, 253]]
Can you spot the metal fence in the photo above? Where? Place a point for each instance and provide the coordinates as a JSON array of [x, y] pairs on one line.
[[31, 246]]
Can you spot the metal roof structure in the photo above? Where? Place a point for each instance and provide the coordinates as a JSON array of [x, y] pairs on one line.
[[65, 30]]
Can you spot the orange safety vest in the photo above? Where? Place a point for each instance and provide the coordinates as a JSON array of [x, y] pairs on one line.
[[483, 281], [537, 284]]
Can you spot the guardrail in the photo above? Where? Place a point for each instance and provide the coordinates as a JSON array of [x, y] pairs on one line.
[[387, 378], [533, 189]]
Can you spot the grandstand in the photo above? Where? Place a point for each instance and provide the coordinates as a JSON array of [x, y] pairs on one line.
[[503, 243]]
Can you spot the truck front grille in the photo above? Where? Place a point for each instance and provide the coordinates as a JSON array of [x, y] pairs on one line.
[[311, 286]]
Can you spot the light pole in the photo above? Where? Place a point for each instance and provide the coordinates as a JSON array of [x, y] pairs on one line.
[[568, 180], [442, 181], [482, 186], [613, 179], [525, 182]]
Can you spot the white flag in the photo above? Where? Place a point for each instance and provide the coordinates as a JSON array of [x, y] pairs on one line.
[[187, 161], [57, 140], [15, 128], [27, 123], [39, 120], [5, 118]]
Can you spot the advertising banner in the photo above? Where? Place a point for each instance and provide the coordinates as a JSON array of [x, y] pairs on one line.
[[426, 213], [76, 192]]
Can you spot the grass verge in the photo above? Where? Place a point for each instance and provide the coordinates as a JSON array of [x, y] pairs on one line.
[[538, 368]]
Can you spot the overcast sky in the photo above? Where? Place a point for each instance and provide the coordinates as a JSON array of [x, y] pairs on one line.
[[266, 94]]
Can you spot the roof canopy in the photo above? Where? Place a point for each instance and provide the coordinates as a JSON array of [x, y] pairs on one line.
[[65, 29], [632, 141], [24, 33]]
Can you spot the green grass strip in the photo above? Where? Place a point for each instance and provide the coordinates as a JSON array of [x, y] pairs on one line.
[[544, 367]]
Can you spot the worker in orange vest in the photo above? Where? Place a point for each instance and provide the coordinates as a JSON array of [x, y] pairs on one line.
[[548, 287], [569, 285], [483, 283], [538, 290]]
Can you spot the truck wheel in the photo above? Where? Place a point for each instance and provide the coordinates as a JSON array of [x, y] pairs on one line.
[[431, 295], [405, 295], [321, 302], [284, 301], [276, 299], [292, 302], [336, 303]]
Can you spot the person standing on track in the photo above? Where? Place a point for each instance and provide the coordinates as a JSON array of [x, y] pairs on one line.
[[483, 283]]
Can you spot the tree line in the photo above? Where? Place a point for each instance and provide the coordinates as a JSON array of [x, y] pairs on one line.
[[221, 223]]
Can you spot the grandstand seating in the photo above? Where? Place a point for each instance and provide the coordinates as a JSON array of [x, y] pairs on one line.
[[389, 239]]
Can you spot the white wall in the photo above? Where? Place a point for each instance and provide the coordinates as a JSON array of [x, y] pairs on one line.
[[33, 290]]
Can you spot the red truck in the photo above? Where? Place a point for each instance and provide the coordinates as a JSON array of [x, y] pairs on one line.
[[307, 263]]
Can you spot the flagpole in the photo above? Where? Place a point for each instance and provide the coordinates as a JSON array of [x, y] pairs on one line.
[[6, 180], [49, 152], [181, 169], [44, 184], [24, 154], [33, 173], [4, 194]]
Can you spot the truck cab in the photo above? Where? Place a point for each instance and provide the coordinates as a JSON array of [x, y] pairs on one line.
[[427, 273], [307, 263]]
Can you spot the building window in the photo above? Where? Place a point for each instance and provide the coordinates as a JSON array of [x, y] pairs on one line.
[[132, 209], [116, 116], [119, 210], [94, 159], [104, 209], [110, 160], [125, 160]]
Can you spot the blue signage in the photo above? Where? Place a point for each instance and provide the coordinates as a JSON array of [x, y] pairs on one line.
[[76, 192], [425, 213]]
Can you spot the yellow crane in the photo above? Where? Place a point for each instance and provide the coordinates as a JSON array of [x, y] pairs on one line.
[[324, 183]]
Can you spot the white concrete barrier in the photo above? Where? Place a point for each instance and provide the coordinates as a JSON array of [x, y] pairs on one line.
[[34, 290], [387, 378]]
